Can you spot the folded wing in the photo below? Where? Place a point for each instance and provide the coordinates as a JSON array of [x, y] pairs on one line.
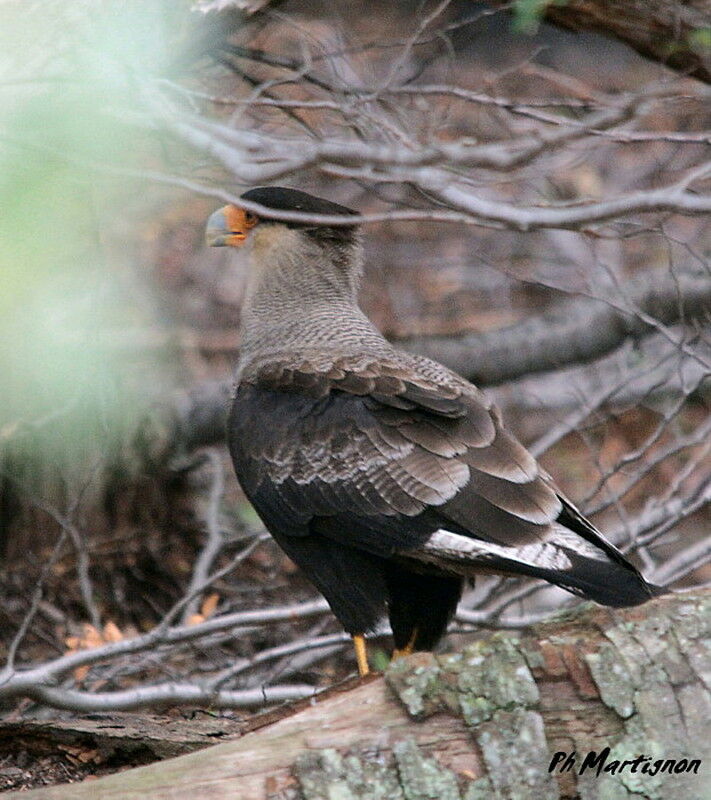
[[402, 462]]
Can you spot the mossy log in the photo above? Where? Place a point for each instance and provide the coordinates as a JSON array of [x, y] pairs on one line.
[[481, 723]]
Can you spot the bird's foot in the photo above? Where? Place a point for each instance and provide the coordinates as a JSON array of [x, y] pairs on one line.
[[361, 653]]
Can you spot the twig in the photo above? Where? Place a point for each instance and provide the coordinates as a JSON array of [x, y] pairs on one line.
[[9, 667], [50, 671], [682, 563], [75, 535], [299, 646], [214, 543]]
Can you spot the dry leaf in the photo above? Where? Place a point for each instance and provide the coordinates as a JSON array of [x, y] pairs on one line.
[[209, 604], [87, 756], [112, 632], [195, 619], [69, 748], [92, 637], [81, 672]]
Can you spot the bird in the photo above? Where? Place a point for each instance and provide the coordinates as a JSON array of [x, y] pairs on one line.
[[386, 477]]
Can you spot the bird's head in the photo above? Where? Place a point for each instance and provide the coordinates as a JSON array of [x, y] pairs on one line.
[[233, 226], [298, 268], [229, 226]]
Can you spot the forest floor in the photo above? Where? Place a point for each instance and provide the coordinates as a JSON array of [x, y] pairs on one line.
[[41, 746], [36, 754]]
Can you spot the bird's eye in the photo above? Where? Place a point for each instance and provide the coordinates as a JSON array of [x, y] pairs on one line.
[[250, 218]]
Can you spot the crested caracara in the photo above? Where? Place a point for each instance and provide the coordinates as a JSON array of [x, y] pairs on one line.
[[386, 477]]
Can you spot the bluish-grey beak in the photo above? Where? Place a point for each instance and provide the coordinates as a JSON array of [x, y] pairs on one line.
[[217, 232]]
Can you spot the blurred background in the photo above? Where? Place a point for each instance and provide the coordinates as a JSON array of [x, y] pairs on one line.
[[123, 125]]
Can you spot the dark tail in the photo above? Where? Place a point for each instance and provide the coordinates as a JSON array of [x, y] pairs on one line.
[[609, 583]]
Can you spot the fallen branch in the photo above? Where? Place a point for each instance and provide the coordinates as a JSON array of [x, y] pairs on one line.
[[167, 694], [486, 722], [576, 332]]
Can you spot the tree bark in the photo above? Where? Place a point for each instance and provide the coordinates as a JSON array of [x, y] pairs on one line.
[[123, 736], [478, 724], [676, 33]]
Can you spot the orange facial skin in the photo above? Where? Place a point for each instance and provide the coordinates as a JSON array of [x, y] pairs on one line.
[[239, 223], [228, 226]]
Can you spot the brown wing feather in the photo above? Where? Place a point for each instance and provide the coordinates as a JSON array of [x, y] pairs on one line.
[[504, 458], [533, 501], [384, 439]]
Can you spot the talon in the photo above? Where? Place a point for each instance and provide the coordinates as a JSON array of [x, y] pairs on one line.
[[407, 650]]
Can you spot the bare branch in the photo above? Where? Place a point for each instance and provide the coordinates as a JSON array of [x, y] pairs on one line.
[[77, 538], [15, 682], [9, 667], [664, 32], [684, 562], [298, 646], [567, 216], [668, 32], [167, 694]]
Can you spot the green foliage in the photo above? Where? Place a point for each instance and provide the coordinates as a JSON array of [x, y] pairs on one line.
[[379, 659], [529, 13], [700, 40], [63, 300]]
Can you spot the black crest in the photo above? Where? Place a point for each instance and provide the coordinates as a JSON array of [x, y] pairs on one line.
[[281, 198]]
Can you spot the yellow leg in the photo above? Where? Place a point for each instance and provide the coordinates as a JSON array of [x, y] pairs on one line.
[[361, 654], [407, 649]]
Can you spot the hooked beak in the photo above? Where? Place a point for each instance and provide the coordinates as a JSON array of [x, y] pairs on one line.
[[228, 227]]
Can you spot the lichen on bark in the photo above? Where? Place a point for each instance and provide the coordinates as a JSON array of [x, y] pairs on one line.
[[651, 670], [653, 673], [480, 724], [328, 775], [409, 775]]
